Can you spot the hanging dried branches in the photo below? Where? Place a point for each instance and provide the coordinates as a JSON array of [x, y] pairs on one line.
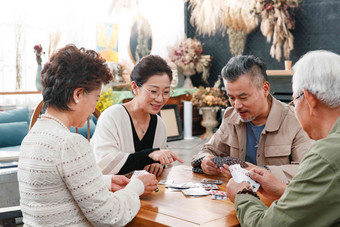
[[237, 17], [276, 21], [210, 16], [240, 17]]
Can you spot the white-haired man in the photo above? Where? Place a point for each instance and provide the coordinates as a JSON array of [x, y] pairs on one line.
[[312, 198]]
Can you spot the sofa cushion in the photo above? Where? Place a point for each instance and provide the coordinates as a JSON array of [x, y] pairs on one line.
[[16, 115], [12, 133]]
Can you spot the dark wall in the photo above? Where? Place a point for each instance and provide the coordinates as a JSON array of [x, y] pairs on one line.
[[317, 27]]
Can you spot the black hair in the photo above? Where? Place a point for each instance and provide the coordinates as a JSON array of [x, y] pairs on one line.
[[245, 64], [149, 66]]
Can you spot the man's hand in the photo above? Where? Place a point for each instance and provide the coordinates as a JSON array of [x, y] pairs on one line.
[[225, 171], [118, 182], [250, 166], [154, 168], [271, 187], [209, 166], [233, 188]]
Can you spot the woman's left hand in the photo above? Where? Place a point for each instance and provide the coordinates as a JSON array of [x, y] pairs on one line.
[[155, 169], [118, 182]]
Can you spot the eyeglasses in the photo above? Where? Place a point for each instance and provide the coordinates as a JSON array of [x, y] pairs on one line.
[[297, 97], [156, 93]]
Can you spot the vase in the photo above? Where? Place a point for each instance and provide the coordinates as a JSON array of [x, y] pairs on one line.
[[37, 78], [187, 81], [209, 121], [288, 64]]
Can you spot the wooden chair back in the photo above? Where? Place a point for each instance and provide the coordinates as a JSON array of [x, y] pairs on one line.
[[38, 111]]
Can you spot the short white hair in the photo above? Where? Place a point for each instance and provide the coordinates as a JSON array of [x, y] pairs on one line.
[[319, 73]]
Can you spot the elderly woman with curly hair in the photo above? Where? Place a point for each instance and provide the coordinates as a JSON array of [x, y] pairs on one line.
[[59, 181]]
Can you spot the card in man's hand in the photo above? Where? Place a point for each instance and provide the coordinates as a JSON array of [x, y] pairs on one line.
[[239, 175]]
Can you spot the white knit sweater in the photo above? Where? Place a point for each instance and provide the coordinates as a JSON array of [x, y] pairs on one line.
[[61, 185]]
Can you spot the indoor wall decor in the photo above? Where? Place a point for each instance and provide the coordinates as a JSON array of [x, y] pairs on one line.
[[236, 17], [107, 41], [188, 57], [277, 19], [140, 43]]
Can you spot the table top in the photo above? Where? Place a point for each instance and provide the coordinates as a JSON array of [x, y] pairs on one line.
[[166, 208]]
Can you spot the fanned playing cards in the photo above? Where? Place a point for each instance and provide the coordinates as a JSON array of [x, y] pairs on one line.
[[239, 175], [219, 161]]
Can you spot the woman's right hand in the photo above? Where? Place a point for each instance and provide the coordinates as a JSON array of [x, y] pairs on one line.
[[165, 156], [150, 183]]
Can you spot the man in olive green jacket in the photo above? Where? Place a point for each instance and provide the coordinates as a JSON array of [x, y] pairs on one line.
[[312, 198], [257, 128]]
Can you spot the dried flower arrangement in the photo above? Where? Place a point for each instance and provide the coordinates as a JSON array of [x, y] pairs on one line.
[[240, 17], [189, 58], [237, 17], [38, 52], [276, 21], [210, 96]]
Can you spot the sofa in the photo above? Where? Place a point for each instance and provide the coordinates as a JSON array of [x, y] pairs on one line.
[[14, 127]]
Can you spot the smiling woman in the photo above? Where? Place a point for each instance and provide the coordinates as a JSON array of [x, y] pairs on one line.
[[141, 144]]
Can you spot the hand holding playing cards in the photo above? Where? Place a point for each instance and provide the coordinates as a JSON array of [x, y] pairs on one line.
[[226, 172], [233, 188], [150, 183], [165, 156], [118, 182], [271, 187], [154, 168], [208, 166]]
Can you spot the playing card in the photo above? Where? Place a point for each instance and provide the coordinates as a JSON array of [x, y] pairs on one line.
[[166, 182], [214, 192], [239, 175], [219, 161], [195, 192], [219, 197], [184, 185], [210, 186], [211, 181]]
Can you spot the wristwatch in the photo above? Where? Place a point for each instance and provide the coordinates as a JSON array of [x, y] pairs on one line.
[[266, 167]]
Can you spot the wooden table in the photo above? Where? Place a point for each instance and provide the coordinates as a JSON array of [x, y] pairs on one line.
[[166, 208]]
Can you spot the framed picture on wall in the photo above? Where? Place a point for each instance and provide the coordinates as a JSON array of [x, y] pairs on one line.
[[140, 43], [172, 120], [107, 41]]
